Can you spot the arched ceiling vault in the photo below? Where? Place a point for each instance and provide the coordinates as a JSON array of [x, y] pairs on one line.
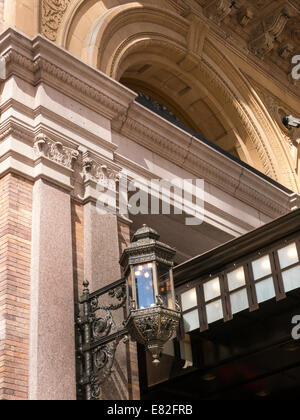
[[151, 48]]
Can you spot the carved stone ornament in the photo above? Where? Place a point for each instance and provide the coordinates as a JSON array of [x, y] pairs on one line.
[[269, 30], [99, 173], [55, 151], [245, 16], [218, 9], [52, 14]]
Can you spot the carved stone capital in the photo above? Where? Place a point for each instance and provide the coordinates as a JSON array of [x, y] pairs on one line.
[[55, 151], [98, 172]]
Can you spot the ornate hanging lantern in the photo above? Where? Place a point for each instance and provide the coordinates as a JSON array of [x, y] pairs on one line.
[[153, 313]]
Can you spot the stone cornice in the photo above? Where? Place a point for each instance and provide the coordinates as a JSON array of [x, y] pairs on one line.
[[165, 139], [39, 60], [32, 60], [40, 153], [211, 211]]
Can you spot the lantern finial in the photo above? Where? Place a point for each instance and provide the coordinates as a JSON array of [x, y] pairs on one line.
[[145, 232]]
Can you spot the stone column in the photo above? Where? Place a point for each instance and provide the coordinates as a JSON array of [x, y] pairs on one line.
[[52, 341], [101, 247]]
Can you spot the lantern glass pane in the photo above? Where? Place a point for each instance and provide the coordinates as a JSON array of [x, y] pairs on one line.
[[212, 289], [291, 279], [261, 267], [239, 301], [288, 256], [236, 279], [169, 348], [214, 311], [144, 285], [265, 290], [165, 291], [189, 299], [191, 321]]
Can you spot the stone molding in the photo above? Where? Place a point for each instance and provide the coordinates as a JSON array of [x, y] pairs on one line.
[[33, 61], [43, 155], [182, 7], [98, 176], [55, 151], [204, 162], [98, 170]]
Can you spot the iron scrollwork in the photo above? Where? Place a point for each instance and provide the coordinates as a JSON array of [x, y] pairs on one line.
[[99, 337]]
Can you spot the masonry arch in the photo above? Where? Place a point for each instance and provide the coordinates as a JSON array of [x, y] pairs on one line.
[[146, 46]]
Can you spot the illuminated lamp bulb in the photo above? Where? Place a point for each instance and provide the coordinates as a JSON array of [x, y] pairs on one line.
[[265, 265], [216, 286], [193, 297], [292, 253], [146, 275], [137, 273], [240, 276]]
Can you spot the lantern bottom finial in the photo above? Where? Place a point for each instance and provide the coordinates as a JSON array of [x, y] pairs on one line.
[[155, 350]]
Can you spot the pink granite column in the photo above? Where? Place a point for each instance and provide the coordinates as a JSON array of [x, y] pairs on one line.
[[52, 342], [101, 267], [101, 247]]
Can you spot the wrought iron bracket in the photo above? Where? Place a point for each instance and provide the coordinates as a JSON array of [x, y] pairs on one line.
[[98, 337]]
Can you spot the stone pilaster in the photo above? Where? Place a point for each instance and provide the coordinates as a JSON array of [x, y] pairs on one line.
[[52, 341]]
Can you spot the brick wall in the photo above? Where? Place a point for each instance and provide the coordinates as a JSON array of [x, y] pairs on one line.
[[15, 254]]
